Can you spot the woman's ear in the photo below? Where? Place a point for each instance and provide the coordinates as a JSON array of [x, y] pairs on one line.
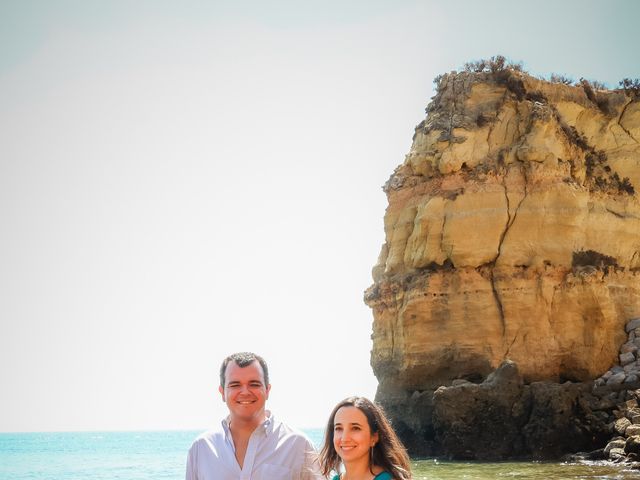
[[374, 439]]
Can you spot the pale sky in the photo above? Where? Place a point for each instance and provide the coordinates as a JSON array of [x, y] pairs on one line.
[[183, 180]]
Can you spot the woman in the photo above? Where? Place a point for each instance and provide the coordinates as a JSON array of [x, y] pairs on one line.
[[359, 437]]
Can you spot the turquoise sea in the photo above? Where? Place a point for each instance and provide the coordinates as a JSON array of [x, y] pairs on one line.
[[162, 455]]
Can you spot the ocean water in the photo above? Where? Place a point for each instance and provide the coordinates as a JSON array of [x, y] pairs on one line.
[[162, 455]]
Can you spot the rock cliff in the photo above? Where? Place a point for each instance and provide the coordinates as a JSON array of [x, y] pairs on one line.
[[512, 233]]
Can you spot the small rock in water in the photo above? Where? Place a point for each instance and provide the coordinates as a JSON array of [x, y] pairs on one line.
[[616, 454], [617, 442], [631, 378]]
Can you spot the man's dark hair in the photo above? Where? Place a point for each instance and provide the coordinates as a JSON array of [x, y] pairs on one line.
[[243, 359]]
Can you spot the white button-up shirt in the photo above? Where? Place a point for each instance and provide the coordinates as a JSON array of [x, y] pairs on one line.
[[275, 452]]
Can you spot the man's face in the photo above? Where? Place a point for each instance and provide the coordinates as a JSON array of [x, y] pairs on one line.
[[245, 392]]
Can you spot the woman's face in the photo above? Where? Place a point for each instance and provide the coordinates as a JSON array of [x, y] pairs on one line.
[[352, 436]]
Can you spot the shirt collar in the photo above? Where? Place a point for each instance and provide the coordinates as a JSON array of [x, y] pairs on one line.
[[266, 426]]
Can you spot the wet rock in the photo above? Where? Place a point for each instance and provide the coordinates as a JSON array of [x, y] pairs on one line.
[[503, 418], [617, 442], [632, 430], [632, 445], [616, 454], [621, 424], [465, 416], [582, 456]]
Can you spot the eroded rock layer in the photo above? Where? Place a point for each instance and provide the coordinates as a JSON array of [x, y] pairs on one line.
[[512, 233]]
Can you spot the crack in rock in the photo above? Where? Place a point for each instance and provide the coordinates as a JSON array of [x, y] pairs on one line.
[[624, 109], [510, 221], [619, 215]]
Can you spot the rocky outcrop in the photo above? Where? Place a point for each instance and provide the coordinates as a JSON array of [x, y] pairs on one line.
[[541, 419], [628, 370], [512, 233], [624, 419]]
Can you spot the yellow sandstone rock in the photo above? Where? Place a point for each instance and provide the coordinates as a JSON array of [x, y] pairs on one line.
[[512, 232]]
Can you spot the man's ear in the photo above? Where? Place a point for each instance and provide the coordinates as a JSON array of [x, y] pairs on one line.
[[268, 390], [221, 390]]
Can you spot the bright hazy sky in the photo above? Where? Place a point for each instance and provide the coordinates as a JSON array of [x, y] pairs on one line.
[[182, 180]]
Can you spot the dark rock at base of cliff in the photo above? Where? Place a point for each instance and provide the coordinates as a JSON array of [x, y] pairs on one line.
[[500, 418]]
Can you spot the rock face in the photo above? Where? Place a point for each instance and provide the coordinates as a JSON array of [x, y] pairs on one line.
[[542, 419], [512, 233]]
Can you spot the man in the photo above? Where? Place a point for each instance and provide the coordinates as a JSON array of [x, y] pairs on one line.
[[252, 444]]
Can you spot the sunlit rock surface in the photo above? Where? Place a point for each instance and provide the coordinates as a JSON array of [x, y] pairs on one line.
[[512, 233]]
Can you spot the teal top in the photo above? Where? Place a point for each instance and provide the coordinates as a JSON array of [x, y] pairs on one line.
[[380, 476]]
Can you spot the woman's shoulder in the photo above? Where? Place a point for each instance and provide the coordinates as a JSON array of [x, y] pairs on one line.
[[380, 476], [383, 476]]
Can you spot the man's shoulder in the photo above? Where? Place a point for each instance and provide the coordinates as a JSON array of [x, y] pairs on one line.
[[283, 429], [209, 436]]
